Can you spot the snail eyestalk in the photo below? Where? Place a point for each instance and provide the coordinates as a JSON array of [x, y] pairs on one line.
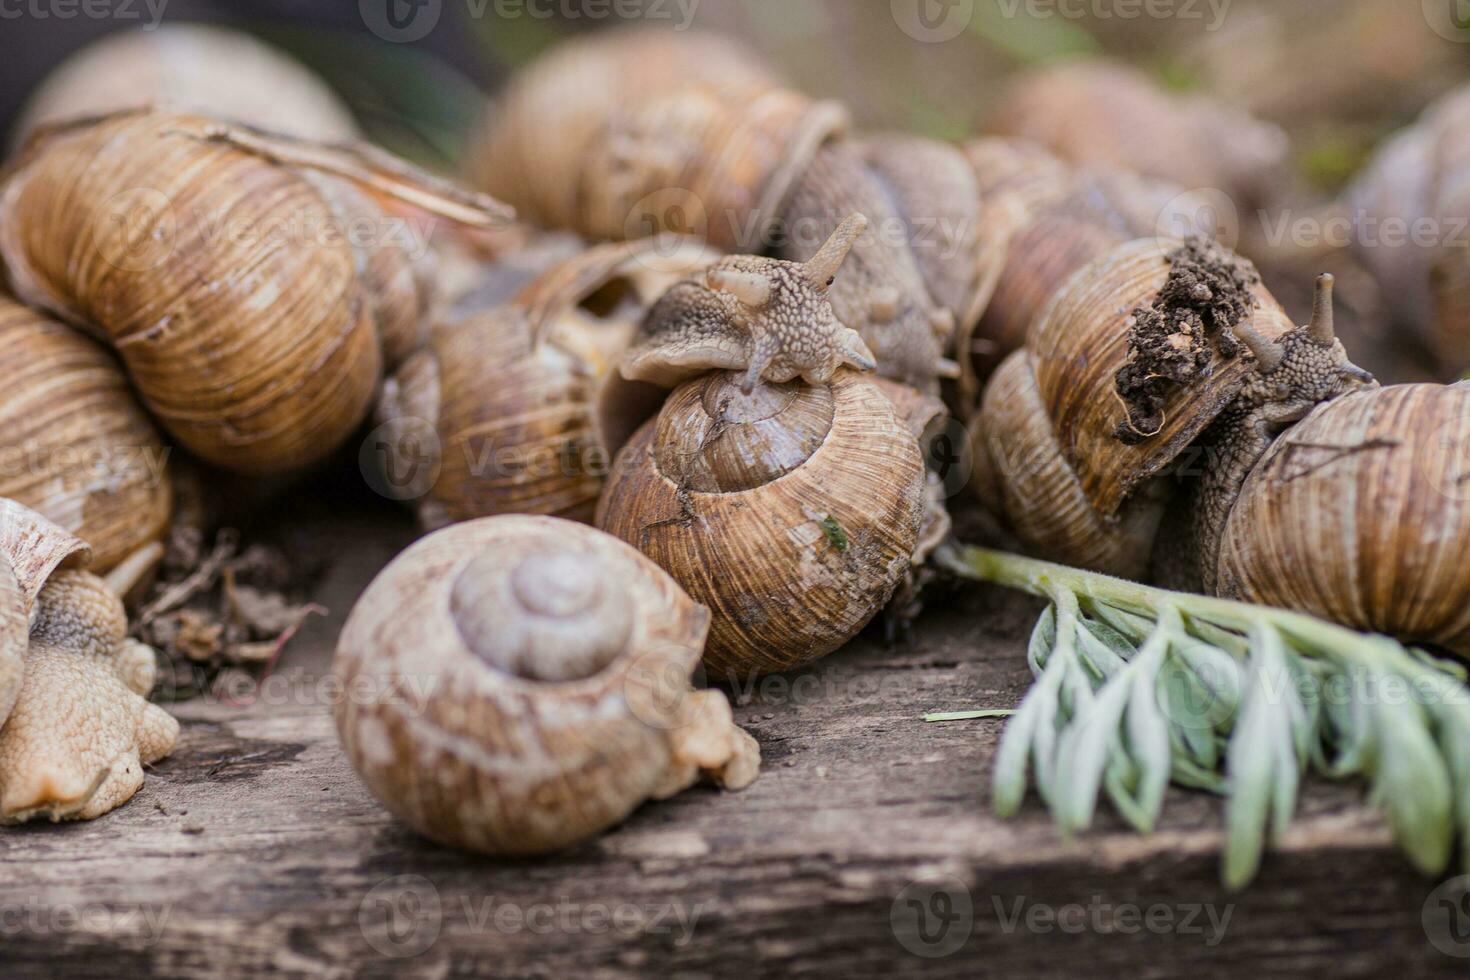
[[1137, 686], [1321, 327]]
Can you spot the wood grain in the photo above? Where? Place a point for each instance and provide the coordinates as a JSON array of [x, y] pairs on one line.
[[255, 848]]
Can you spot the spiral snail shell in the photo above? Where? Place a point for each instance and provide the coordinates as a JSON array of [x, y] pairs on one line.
[[219, 72], [530, 687], [1408, 211], [216, 261], [539, 440], [74, 445], [1093, 111], [1360, 514], [1158, 357], [706, 146], [780, 487]]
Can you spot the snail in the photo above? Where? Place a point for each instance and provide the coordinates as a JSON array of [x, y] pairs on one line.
[[77, 728], [1041, 221], [1095, 111], [777, 485], [636, 133], [522, 684], [212, 70], [535, 441], [252, 285], [1408, 214], [1360, 513], [74, 444], [1159, 356]]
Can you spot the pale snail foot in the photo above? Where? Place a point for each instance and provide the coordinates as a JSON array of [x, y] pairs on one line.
[[76, 742], [709, 744]]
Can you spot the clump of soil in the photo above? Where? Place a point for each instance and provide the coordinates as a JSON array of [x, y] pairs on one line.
[[1174, 339], [219, 608]]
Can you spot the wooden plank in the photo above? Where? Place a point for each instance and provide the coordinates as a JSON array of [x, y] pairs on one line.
[[255, 848]]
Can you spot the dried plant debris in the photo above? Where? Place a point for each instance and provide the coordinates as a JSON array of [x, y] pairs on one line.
[[1173, 340], [220, 609]]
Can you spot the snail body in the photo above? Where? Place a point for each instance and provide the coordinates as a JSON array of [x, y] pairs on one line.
[[218, 267], [78, 729], [219, 72], [531, 680], [730, 156], [76, 447]]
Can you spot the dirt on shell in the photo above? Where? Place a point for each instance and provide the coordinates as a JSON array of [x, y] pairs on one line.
[[1174, 340]]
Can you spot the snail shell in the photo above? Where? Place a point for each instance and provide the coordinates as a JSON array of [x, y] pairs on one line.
[[76, 447], [212, 260], [1047, 455], [527, 686], [1043, 221], [536, 441], [1100, 112], [792, 511], [581, 100], [1360, 513], [219, 72], [31, 549], [1417, 185], [705, 146]]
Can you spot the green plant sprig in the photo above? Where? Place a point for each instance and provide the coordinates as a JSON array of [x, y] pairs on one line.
[[1137, 687]]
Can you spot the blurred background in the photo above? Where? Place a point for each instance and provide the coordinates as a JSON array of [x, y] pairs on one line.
[[1338, 74]]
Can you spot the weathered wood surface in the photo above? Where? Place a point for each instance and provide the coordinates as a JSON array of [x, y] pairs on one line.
[[254, 848]]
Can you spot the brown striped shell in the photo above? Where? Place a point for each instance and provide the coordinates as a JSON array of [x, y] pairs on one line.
[[521, 684], [1046, 452], [792, 511], [1409, 207], [31, 549], [1100, 112], [503, 410], [223, 73], [1361, 514], [630, 134], [229, 271], [1042, 221], [74, 445]]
